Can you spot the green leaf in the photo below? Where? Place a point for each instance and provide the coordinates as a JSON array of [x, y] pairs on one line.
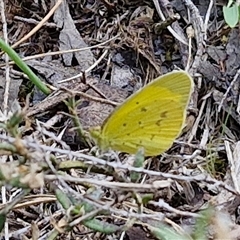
[[231, 15], [100, 226], [3, 217], [202, 224], [24, 67], [138, 162]]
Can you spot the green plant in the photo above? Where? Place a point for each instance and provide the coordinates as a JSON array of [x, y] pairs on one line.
[[231, 13], [24, 67], [199, 232]]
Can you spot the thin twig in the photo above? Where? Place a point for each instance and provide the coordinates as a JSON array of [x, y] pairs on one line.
[[198, 26], [228, 90], [232, 165], [175, 34], [8, 80], [64, 51], [207, 16], [41, 23], [5, 102], [118, 165], [88, 70]]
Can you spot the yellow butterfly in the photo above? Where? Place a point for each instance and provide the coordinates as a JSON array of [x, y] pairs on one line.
[[152, 118]]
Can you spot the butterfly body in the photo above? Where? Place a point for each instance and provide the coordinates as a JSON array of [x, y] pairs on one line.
[[151, 118]]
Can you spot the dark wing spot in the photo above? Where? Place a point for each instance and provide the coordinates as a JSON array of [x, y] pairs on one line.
[[158, 122], [124, 124], [143, 109], [163, 114], [137, 103], [152, 137]]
